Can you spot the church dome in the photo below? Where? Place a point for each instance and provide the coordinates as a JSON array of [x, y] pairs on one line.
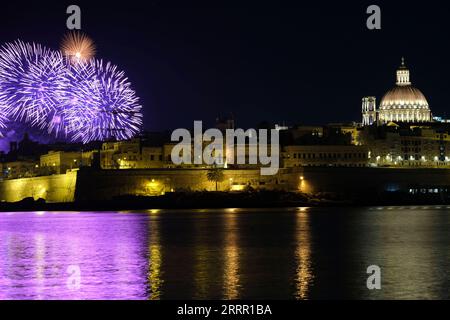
[[401, 97], [404, 103]]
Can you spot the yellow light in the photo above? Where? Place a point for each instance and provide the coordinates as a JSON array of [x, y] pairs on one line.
[[302, 178], [237, 187]]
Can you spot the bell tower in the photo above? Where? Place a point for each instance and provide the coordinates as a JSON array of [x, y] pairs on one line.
[[369, 111]]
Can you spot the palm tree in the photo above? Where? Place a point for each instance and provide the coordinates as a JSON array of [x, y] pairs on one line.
[[215, 175]]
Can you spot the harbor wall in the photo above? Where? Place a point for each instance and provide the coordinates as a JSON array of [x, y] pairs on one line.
[[90, 185], [54, 188]]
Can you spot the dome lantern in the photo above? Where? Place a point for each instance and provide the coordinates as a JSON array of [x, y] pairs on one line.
[[403, 75]]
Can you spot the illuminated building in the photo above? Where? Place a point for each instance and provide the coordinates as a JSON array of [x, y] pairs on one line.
[[403, 132], [403, 103], [60, 161], [130, 154], [403, 145], [369, 111], [325, 156]]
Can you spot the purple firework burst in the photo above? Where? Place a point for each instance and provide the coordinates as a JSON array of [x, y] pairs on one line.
[[32, 80], [83, 101], [103, 104]]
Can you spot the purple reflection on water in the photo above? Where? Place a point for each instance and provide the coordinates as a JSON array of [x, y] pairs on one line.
[[110, 249]]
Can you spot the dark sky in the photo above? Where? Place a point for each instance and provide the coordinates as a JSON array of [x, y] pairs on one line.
[[304, 62]]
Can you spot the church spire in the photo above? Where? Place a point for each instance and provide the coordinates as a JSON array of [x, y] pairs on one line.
[[403, 75]]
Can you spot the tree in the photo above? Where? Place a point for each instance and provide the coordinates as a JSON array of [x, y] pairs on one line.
[[215, 175]]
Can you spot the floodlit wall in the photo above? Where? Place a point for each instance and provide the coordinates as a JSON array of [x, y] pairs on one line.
[[87, 185], [106, 184], [54, 188]]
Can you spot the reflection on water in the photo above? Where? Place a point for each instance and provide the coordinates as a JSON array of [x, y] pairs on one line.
[[293, 253], [305, 275], [231, 258], [154, 262]]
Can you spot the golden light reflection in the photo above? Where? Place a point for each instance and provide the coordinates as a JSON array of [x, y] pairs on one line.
[[154, 270], [231, 255], [304, 274]]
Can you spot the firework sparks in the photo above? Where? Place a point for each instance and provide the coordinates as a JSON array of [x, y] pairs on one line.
[[109, 108], [82, 101], [77, 47], [32, 79]]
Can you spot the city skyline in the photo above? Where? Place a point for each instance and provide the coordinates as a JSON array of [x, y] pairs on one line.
[[237, 153], [215, 59]]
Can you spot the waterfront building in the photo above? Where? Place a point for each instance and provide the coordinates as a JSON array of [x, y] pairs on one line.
[[58, 162], [325, 156], [403, 145], [130, 154]]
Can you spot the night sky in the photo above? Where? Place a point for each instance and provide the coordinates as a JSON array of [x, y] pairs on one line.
[[300, 62]]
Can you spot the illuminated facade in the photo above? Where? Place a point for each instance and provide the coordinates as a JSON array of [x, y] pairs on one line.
[[130, 154], [369, 111], [403, 103], [325, 156], [408, 146], [59, 161]]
